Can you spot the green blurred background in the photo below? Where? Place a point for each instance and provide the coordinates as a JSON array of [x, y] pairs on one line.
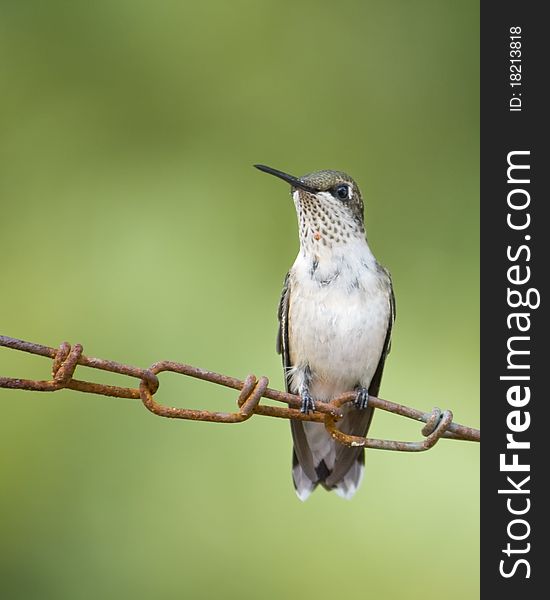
[[133, 222]]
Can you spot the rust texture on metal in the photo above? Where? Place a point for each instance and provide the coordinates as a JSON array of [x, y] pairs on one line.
[[438, 424]]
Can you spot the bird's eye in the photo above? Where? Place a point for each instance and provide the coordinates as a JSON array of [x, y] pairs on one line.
[[342, 192]]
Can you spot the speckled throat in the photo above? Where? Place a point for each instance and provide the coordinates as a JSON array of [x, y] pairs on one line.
[[325, 222]]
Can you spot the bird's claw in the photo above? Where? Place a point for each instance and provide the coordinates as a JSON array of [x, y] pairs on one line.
[[308, 404], [361, 399]]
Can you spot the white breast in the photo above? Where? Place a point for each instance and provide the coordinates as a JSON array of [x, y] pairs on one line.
[[338, 320]]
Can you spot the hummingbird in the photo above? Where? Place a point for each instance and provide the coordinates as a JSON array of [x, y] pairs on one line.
[[336, 314]]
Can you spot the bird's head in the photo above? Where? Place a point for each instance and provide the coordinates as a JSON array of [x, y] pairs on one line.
[[328, 204]]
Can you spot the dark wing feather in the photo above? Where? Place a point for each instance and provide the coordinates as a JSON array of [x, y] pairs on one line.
[[282, 334], [374, 386]]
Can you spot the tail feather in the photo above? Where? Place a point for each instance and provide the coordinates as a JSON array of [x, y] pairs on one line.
[[349, 484], [354, 422], [319, 460], [302, 483]]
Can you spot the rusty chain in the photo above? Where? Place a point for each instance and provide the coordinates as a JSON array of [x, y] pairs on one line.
[[66, 358]]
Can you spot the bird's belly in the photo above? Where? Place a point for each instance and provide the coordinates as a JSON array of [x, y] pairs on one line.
[[338, 334]]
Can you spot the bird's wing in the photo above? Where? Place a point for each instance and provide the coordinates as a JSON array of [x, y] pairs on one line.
[[282, 334], [302, 452], [374, 386], [358, 422]]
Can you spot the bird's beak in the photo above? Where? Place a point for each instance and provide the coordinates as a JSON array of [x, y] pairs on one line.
[[294, 181]]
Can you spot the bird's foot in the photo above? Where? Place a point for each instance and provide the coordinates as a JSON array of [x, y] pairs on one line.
[[361, 399], [308, 404]]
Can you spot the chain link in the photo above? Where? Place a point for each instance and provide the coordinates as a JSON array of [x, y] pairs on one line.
[[66, 358]]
